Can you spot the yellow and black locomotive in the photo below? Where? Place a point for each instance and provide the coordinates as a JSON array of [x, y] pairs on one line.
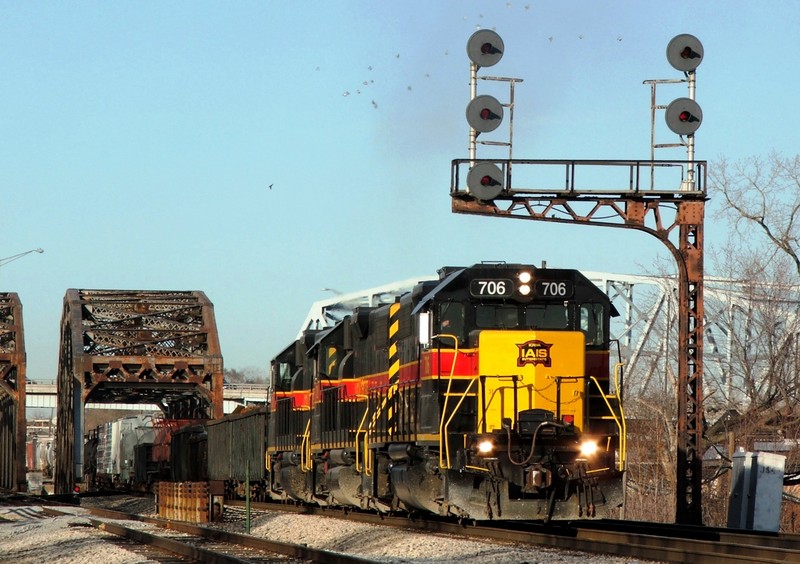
[[485, 394]]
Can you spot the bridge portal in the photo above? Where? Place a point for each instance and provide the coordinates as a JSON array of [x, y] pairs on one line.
[[133, 347]]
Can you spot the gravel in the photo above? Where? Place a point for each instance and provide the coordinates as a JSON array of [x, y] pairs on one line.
[[384, 544], [58, 540]]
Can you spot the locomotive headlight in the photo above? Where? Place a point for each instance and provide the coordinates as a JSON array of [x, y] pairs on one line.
[[485, 447], [525, 277], [524, 289], [588, 448]]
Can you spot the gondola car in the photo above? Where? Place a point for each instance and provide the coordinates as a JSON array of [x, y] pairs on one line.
[[485, 394], [236, 453]]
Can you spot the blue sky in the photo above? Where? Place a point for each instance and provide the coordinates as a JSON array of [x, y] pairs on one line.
[[139, 141]]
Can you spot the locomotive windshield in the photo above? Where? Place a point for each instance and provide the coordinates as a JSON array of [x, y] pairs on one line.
[[457, 320], [533, 316], [497, 317]]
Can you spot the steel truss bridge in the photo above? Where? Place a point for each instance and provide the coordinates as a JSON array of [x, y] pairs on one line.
[[157, 347], [646, 328]]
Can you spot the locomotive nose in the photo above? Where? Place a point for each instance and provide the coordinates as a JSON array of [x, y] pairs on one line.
[[531, 370]]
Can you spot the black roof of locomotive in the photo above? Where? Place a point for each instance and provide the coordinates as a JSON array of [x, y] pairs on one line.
[[450, 275]]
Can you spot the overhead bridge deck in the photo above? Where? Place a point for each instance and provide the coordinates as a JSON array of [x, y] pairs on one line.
[[44, 396]]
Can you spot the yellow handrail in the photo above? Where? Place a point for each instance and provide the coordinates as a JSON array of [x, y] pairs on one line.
[[358, 432], [445, 463], [371, 426], [618, 420], [374, 419], [305, 449], [443, 442], [623, 454], [367, 469]]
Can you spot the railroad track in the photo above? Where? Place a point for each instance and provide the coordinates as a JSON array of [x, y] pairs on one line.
[[201, 544], [654, 541]]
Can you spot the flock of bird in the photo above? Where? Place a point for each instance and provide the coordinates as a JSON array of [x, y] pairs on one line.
[[368, 82]]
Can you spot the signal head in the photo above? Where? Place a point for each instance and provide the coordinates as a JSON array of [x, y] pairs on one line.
[[485, 181], [485, 48], [684, 116], [685, 52], [484, 113]]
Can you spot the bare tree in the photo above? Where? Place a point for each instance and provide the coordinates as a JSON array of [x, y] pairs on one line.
[[762, 202], [248, 375], [754, 397], [760, 198], [762, 194]]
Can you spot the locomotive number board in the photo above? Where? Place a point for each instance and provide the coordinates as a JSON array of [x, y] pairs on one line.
[[505, 288], [562, 289]]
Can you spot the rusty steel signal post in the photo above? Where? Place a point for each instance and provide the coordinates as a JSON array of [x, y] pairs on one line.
[[665, 198]]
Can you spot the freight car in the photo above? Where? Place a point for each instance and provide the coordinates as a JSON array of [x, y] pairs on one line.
[[485, 394], [110, 451], [236, 449], [39, 455]]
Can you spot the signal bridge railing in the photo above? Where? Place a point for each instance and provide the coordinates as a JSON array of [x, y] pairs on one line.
[[509, 178]]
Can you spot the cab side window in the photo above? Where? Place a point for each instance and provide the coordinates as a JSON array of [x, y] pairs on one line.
[[592, 323], [451, 320]]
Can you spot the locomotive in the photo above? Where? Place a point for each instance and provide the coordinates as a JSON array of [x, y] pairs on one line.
[[485, 394]]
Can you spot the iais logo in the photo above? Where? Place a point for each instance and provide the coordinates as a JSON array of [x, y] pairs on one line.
[[534, 352]]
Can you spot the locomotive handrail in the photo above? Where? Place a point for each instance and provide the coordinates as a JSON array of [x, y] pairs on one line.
[[619, 421], [444, 443], [360, 430], [443, 433], [610, 410], [372, 423], [623, 448], [305, 449]]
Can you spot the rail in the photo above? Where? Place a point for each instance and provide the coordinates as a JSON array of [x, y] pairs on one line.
[[223, 544], [644, 540]]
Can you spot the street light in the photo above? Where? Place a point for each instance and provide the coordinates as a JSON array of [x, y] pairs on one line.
[[12, 258], [5, 261]]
